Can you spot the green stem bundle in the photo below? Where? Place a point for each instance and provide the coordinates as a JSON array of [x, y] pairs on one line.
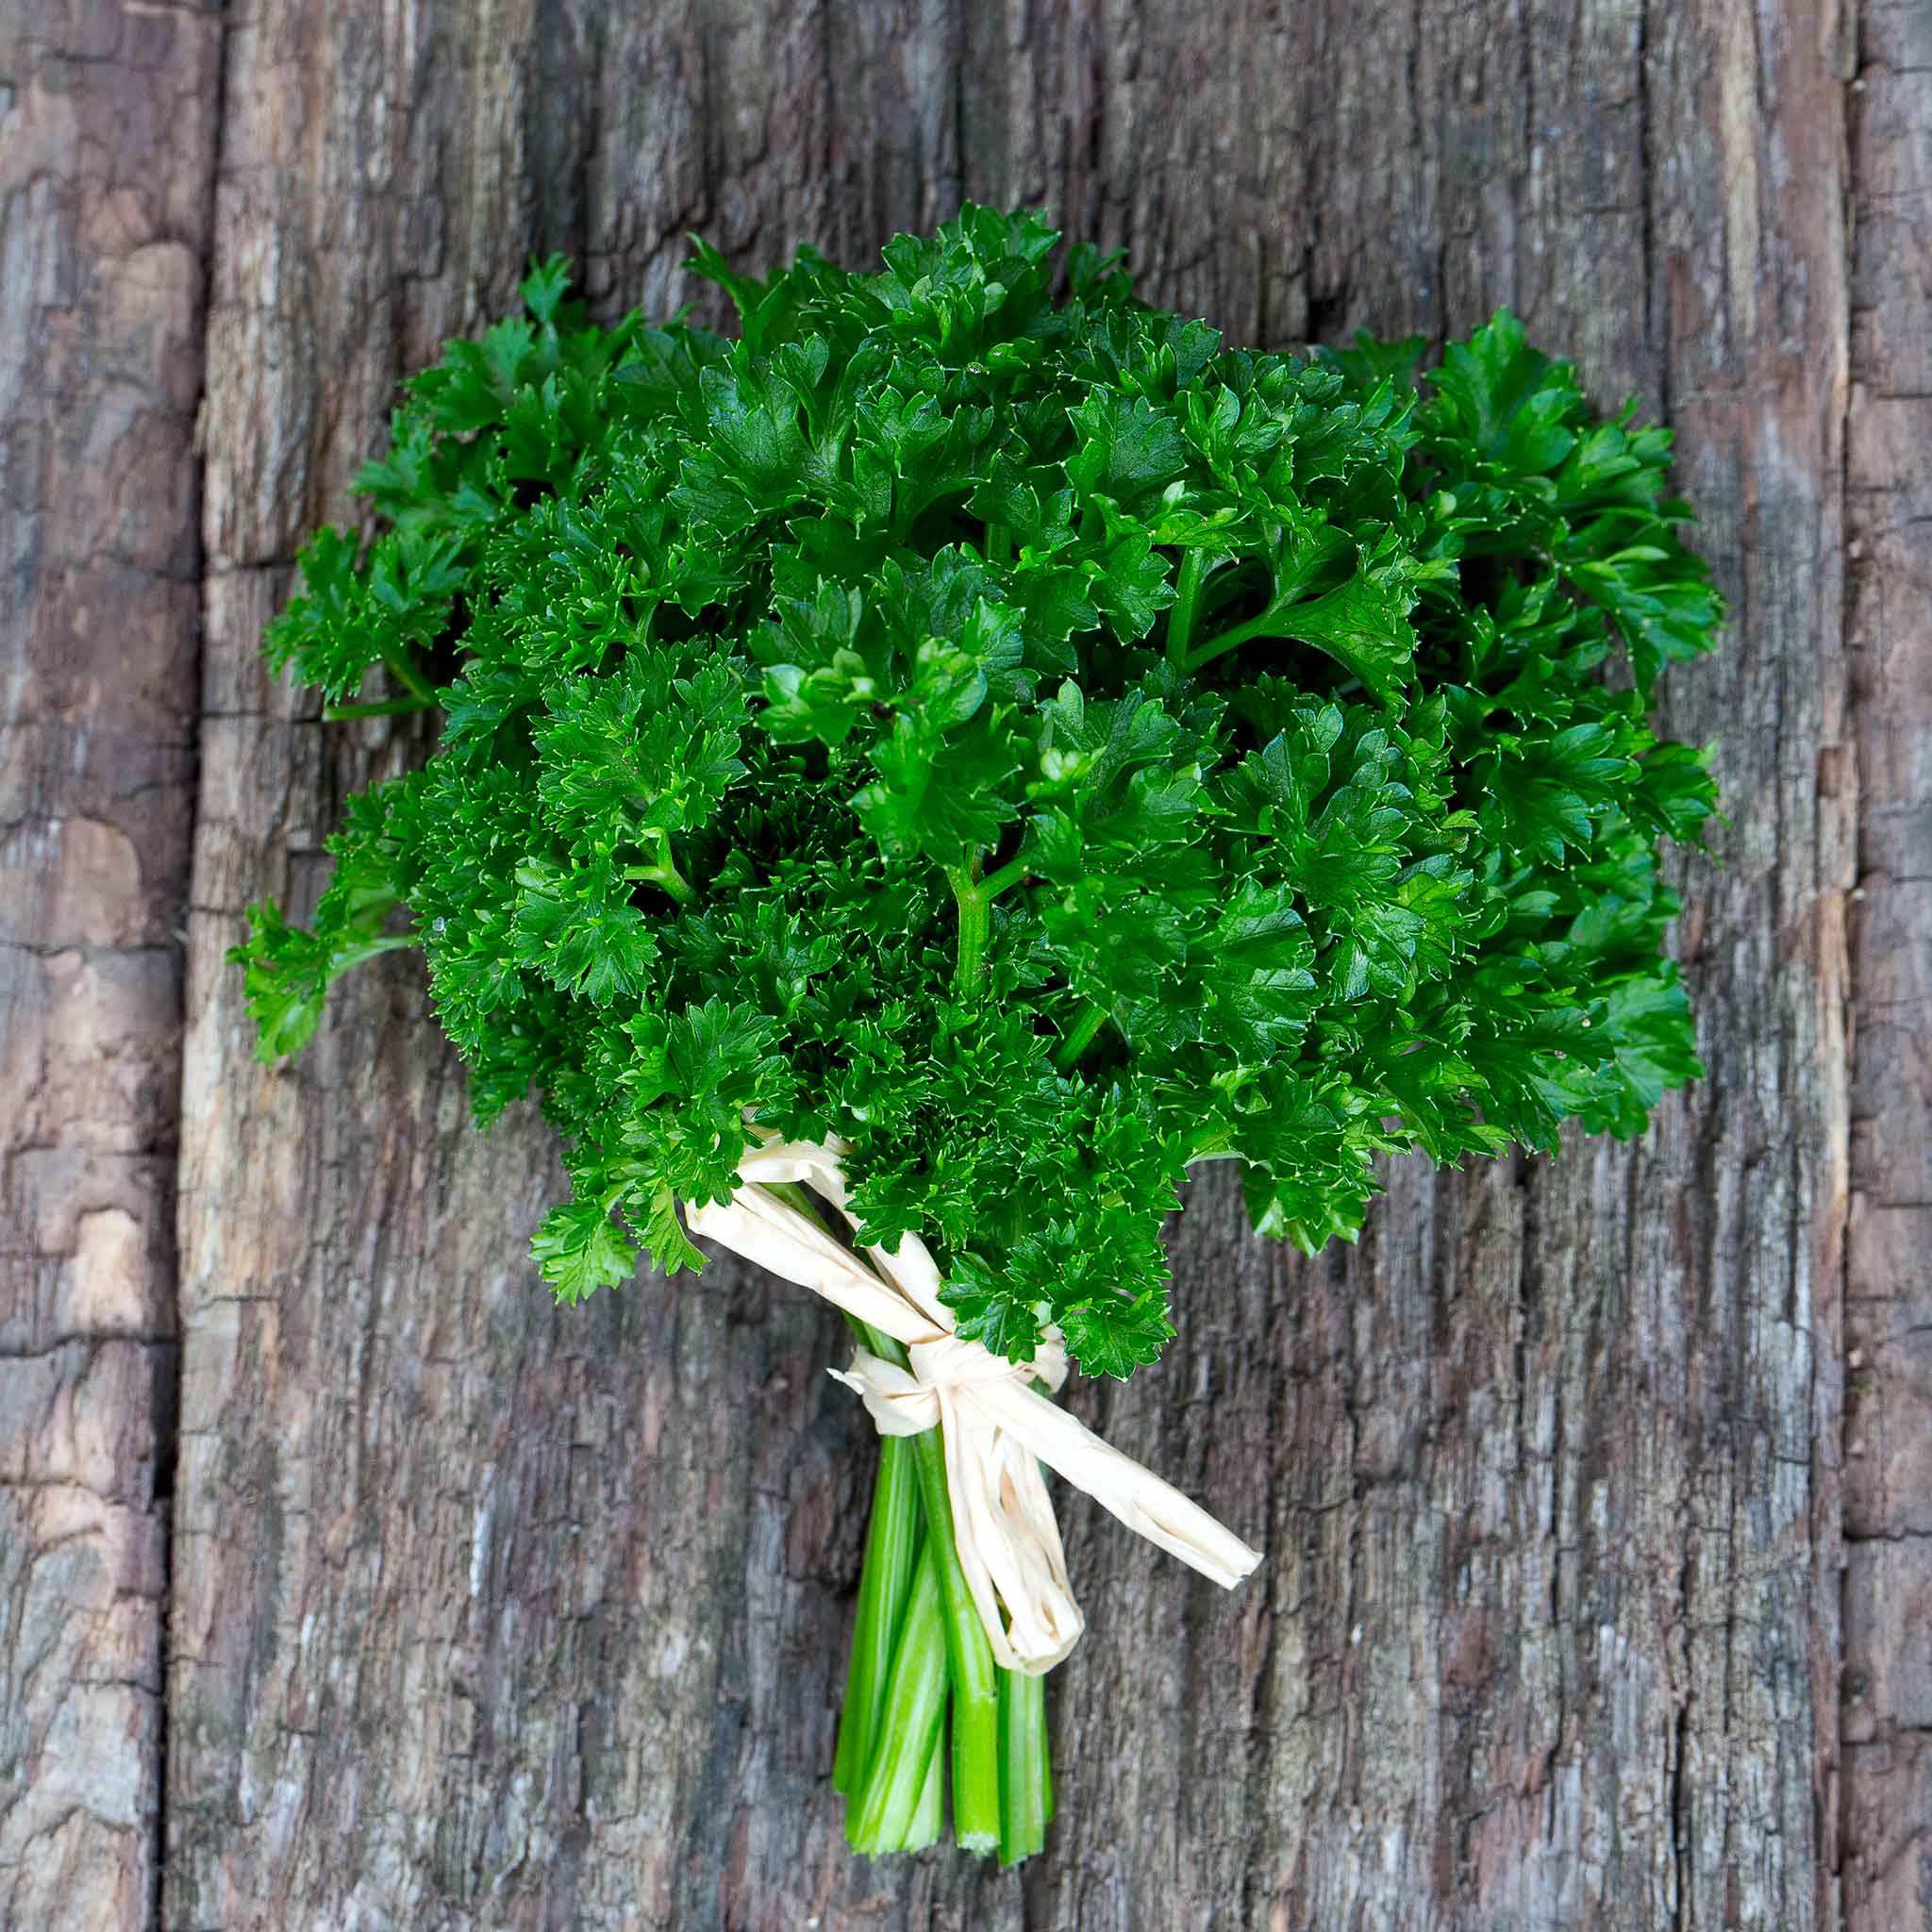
[[920, 1652], [976, 1801], [882, 1813], [891, 1550]]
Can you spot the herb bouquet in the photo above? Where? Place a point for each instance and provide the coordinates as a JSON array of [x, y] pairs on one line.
[[914, 779]]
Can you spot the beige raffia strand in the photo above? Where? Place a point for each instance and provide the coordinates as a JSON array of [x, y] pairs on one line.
[[996, 1429]]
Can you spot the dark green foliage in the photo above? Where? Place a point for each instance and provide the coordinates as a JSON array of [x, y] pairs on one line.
[[1023, 739]]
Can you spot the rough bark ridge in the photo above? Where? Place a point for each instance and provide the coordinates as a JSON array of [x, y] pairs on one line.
[[1887, 1503], [483, 1615], [107, 141]]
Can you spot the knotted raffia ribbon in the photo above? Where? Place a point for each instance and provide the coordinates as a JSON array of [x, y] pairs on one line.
[[996, 1429]]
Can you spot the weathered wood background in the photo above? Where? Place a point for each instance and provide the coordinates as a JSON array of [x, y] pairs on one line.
[[344, 1584]]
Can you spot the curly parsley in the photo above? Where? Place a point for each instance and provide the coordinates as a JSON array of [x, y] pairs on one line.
[[983, 717]]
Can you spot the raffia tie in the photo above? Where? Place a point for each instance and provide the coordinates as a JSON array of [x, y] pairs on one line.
[[996, 1427]]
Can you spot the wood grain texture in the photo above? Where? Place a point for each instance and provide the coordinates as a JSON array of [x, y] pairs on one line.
[[486, 1615], [108, 119], [1887, 1851]]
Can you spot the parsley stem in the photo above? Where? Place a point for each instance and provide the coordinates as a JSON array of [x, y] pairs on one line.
[[976, 1680], [891, 1548], [976, 1800], [889, 1808], [390, 708], [976, 925], [929, 1816], [999, 543], [1239, 634], [1180, 620], [665, 873], [979, 1804], [398, 661], [1077, 1042], [671, 881], [894, 1655], [1025, 1781], [996, 882]]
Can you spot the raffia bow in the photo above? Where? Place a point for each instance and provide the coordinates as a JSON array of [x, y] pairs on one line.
[[997, 1428]]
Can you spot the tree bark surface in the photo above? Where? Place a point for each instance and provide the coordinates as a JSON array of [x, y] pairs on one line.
[[107, 122], [486, 1614], [1887, 1499]]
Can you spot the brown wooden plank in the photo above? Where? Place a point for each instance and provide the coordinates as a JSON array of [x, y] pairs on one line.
[[1888, 1813], [496, 1616], [107, 154]]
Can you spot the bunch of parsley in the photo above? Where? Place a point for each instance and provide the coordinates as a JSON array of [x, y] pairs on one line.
[[984, 718], [1022, 737]]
